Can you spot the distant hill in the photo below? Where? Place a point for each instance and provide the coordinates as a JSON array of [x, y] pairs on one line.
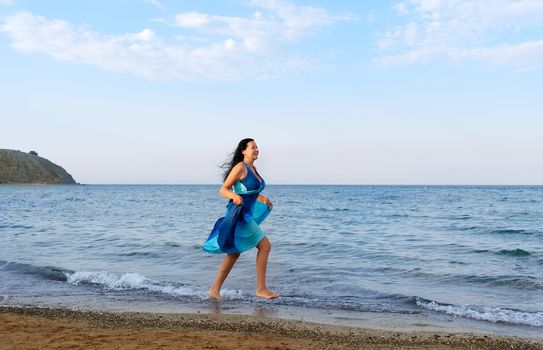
[[18, 167]]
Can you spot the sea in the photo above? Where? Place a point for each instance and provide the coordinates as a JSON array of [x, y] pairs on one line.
[[467, 258]]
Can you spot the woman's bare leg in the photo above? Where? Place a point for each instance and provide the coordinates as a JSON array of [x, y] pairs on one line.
[[224, 270], [264, 247]]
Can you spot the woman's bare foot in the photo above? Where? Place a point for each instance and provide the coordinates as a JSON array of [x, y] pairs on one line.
[[266, 294], [214, 295]]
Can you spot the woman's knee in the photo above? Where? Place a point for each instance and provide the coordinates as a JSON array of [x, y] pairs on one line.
[[234, 256], [264, 245]]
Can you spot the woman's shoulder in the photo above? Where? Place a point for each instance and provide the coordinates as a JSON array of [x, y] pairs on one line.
[[239, 168]]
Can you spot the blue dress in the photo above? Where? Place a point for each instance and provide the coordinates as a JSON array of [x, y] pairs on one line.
[[239, 230]]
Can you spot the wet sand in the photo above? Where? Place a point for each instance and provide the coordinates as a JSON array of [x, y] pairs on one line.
[[46, 328]]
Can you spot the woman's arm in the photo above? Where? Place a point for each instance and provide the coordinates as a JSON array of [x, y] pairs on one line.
[[235, 175], [265, 200]]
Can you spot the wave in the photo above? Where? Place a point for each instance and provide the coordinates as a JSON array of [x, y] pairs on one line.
[[514, 252], [371, 302], [512, 281], [523, 282], [47, 272], [141, 254], [482, 230], [466, 228], [459, 217], [332, 209], [74, 199], [484, 313], [511, 231], [26, 227], [136, 281], [398, 216], [507, 252]]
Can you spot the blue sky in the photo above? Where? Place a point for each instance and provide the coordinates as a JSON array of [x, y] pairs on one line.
[[334, 92]]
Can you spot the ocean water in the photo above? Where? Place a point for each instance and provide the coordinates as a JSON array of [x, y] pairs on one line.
[[471, 253]]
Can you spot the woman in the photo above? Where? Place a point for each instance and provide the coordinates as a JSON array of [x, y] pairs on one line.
[[238, 230]]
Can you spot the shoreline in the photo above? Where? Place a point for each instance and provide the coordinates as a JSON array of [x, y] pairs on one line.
[[51, 328]]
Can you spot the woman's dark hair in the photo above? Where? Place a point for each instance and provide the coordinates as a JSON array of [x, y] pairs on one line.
[[237, 157]]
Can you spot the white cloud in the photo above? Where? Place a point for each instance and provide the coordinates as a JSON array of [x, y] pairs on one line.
[[156, 3], [466, 30], [400, 8], [145, 35], [230, 44], [282, 21], [7, 2], [132, 53], [231, 48], [192, 19]]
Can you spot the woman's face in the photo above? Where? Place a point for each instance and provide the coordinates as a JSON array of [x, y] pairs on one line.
[[251, 152]]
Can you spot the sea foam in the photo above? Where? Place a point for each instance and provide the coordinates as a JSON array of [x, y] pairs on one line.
[[136, 281], [485, 313]]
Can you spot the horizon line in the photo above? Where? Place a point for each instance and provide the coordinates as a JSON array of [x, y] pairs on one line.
[[314, 184]]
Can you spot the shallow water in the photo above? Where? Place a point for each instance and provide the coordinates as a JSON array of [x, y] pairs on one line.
[[469, 252]]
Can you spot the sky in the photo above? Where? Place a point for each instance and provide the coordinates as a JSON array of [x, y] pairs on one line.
[[333, 92]]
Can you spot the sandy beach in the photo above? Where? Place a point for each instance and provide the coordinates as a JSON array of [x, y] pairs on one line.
[[47, 328]]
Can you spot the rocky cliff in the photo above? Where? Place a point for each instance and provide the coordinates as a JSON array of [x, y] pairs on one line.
[[18, 167]]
